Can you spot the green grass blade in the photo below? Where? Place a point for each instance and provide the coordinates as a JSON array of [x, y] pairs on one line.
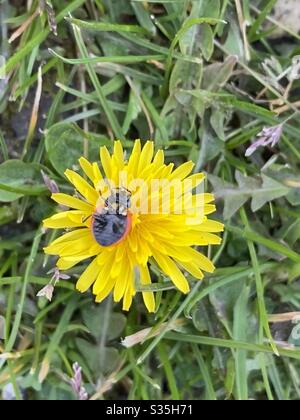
[[116, 128]]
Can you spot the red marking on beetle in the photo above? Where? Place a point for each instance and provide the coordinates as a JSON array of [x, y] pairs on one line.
[[127, 230]]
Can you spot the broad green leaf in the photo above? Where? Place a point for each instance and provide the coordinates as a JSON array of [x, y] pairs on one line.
[[7, 197], [94, 319], [234, 42], [289, 293], [270, 190], [199, 317], [189, 23], [18, 178], [7, 213], [260, 191], [217, 121], [211, 8], [233, 197], [288, 177], [230, 377], [295, 335], [293, 197], [64, 145], [143, 17], [290, 231], [217, 74], [210, 147], [100, 360], [185, 74], [206, 41], [223, 300], [190, 42], [133, 110]]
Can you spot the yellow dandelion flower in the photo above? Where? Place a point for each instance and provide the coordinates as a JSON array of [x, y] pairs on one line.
[[128, 212]]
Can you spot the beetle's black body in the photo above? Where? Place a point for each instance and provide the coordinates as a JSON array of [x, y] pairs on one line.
[[113, 222], [109, 229]]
